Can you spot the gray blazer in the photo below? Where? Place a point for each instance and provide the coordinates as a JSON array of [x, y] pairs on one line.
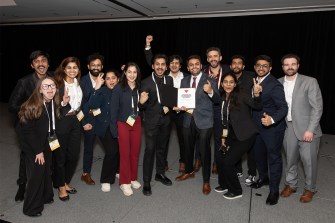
[[203, 113], [307, 106]]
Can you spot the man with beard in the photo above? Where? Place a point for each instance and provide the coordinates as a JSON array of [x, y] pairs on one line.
[[156, 123], [198, 122], [214, 70], [25, 86], [87, 84], [271, 123], [303, 132]]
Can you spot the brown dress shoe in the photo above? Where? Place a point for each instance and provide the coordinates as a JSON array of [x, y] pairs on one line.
[[185, 176], [197, 165], [87, 178], [181, 167], [214, 169], [206, 188], [287, 191], [307, 196]]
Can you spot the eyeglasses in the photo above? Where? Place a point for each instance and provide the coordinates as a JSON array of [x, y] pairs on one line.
[[262, 66], [47, 86], [228, 82]]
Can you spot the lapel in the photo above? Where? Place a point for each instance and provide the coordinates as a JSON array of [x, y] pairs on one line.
[[296, 88], [201, 83]]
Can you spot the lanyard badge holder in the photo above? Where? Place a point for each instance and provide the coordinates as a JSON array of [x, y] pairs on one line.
[[132, 118], [52, 139], [224, 148], [165, 109]]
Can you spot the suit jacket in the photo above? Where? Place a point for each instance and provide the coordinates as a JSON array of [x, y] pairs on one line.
[[152, 110], [87, 88], [274, 104], [307, 106], [203, 112], [240, 116]]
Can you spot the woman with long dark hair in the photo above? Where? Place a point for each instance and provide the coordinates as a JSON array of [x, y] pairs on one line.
[[68, 130], [38, 117], [239, 131]]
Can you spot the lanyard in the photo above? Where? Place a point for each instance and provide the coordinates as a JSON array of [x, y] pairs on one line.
[[220, 76], [132, 102], [158, 96], [53, 115], [223, 102]]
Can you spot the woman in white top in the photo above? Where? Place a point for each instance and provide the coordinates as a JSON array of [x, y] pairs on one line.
[[68, 131]]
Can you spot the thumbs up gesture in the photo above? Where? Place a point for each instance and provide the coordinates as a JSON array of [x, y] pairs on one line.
[[266, 120], [208, 87], [257, 88]]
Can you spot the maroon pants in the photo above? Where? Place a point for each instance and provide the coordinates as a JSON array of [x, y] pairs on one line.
[[129, 147]]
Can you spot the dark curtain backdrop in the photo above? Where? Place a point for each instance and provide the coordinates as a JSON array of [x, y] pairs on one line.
[[310, 35]]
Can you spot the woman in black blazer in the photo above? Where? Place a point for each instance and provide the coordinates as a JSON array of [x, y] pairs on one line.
[[239, 131], [38, 117]]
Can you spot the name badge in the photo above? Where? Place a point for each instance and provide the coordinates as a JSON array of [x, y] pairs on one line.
[[131, 120], [96, 111], [225, 133], [190, 111], [53, 142], [166, 109], [80, 115]]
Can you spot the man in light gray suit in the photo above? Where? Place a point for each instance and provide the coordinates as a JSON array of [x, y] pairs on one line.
[[302, 136], [198, 122]]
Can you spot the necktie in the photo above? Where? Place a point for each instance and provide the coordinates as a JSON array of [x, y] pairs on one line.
[[194, 83]]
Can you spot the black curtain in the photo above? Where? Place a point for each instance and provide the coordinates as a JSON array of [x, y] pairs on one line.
[[310, 35]]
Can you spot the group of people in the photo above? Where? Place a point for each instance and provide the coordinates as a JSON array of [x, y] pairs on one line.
[[249, 113]]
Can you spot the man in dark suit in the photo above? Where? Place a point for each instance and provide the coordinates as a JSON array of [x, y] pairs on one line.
[[198, 122], [25, 86], [156, 123], [303, 132], [87, 84], [271, 123]]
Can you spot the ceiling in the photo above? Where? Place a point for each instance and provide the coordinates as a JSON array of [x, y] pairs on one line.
[[13, 12]]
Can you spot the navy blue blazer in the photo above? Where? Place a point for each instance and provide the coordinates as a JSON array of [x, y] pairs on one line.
[[274, 104], [87, 88], [203, 113], [121, 105], [102, 98]]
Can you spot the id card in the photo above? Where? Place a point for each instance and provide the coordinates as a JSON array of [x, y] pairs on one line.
[[225, 133], [131, 120], [166, 109], [80, 115], [53, 142], [96, 111]]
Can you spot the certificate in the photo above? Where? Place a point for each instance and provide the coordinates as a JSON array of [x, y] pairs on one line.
[[186, 97]]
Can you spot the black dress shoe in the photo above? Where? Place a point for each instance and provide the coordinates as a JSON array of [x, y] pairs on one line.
[[146, 189], [260, 183], [272, 198], [35, 215], [163, 179], [72, 191], [20, 193], [66, 198], [50, 201]]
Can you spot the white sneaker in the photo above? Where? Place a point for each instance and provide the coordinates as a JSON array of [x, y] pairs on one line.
[[135, 184], [126, 189], [117, 175], [250, 179], [105, 187]]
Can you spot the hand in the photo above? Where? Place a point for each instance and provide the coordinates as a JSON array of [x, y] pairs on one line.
[[182, 108], [223, 140], [87, 127], [40, 158], [257, 88], [266, 120], [66, 97], [123, 66], [144, 97], [148, 40], [99, 82], [208, 88], [308, 136]]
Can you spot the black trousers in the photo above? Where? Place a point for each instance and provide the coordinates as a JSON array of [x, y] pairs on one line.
[[156, 140], [228, 172], [22, 166], [202, 137], [39, 186], [177, 119], [66, 157], [110, 162]]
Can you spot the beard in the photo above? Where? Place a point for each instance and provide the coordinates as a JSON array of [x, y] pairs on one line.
[[291, 73], [95, 72]]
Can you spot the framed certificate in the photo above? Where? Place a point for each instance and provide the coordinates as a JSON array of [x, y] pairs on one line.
[[186, 97]]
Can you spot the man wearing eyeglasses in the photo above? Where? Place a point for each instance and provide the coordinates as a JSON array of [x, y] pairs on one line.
[[303, 132], [87, 84], [271, 123], [25, 86]]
